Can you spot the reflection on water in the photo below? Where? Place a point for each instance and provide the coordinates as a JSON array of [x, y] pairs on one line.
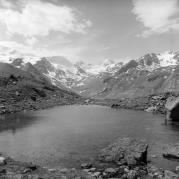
[[69, 135]]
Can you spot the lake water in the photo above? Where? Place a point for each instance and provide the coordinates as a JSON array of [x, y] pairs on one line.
[[69, 135]]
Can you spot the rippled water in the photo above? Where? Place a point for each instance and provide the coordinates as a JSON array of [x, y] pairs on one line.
[[69, 135]]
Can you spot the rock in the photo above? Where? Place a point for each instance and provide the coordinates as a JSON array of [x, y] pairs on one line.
[[78, 177], [86, 170], [131, 151], [115, 105], [171, 152], [111, 172], [64, 170], [92, 169], [73, 170], [151, 109], [132, 174], [153, 156], [2, 160], [177, 169], [27, 170], [96, 174], [32, 167], [86, 165], [154, 172], [3, 171], [170, 175], [172, 106]]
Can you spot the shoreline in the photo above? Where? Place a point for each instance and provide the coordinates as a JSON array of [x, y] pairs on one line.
[[33, 171], [133, 165]]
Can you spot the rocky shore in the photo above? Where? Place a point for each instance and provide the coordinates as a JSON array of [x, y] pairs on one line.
[[152, 103], [15, 97], [7, 107], [124, 159]]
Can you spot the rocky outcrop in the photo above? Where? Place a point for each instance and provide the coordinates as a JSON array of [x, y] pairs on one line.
[[125, 150], [153, 103], [172, 152], [172, 107]]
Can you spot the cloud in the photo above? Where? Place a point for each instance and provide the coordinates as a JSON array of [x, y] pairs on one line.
[[9, 47], [31, 41], [36, 18], [157, 16]]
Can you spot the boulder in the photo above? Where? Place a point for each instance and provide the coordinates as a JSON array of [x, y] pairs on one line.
[[177, 169], [2, 161], [172, 108], [171, 152], [131, 151]]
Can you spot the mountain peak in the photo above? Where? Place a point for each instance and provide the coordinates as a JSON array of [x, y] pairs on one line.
[[108, 62]]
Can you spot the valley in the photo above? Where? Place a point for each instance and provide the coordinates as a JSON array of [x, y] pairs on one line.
[[85, 108]]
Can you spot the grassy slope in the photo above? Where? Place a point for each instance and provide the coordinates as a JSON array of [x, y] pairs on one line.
[[24, 90]]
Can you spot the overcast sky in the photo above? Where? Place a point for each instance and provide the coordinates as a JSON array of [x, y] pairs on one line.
[[90, 30]]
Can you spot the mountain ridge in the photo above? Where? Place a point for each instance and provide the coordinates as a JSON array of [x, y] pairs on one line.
[[110, 79]]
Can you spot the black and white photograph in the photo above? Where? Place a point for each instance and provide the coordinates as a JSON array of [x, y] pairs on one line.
[[89, 89]]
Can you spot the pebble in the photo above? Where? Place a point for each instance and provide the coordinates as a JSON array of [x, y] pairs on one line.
[[86, 165], [64, 170], [153, 156], [96, 174]]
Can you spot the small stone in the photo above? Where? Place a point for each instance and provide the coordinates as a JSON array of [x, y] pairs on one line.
[[96, 174], [73, 170], [32, 167], [126, 170], [52, 170], [64, 170], [27, 170], [111, 172], [92, 169], [132, 174], [3, 171], [153, 156], [170, 175], [177, 169], [86, 165], [86, 170]]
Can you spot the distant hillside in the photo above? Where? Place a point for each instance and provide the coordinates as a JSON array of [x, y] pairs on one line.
[[151, 73], [29, 89]]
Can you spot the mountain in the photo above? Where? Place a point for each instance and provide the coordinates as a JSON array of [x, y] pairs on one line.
[[27, 88], [151, 73], [85, 79]]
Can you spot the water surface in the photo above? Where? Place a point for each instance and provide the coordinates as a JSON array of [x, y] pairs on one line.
[[69, 135]]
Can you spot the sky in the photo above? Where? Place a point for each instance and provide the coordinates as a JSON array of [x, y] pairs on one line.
[[89, 30]]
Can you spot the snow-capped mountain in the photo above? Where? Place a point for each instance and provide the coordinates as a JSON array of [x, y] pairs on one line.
[[152, 73], [109, 79]]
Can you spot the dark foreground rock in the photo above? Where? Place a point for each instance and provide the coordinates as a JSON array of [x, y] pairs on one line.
[[126, 150], [121, 167], [11, 169], [171, 152]]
